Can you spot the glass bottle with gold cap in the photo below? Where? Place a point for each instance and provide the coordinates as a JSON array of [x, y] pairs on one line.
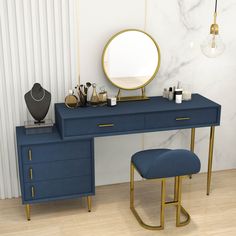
[[71, 101], [94, 101]]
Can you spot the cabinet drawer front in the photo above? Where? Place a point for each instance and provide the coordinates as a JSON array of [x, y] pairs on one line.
[[101, 125], [56, 151], [58, 188], [57, 170], [181, 119]]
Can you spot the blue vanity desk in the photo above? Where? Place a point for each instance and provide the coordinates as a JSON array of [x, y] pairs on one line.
[[60, 165]]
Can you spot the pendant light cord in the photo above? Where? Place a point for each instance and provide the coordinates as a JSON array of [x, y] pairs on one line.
[[215, 13], [216, 6]]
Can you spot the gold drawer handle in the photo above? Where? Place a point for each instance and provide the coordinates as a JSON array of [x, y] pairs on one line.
[[32, 192], [30, 155], [183, 118], [105, 125], [31, 173]]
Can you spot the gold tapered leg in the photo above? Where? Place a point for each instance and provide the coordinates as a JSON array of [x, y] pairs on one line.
[[175, 188], [192, 139], [210, 157], [89, 203], [192, 143], [27, 209]]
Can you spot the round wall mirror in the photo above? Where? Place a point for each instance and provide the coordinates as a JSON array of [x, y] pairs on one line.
[[131, 59]]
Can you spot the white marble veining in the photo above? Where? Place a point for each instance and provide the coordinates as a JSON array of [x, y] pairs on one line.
[[214, 78], [179, 27]]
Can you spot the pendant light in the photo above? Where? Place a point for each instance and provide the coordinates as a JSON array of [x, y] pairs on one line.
[[213, 46]]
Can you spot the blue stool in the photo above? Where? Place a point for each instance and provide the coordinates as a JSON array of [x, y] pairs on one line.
[[162, 164]]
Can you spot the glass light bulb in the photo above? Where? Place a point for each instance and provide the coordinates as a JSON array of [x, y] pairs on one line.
[[213, 46]]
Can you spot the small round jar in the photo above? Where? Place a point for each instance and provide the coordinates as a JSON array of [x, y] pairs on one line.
[[187, 95]]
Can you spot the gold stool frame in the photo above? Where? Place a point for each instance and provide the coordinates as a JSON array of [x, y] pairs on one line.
[[176, 202]]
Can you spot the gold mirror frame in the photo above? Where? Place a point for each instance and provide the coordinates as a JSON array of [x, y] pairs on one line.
[[142, 87]]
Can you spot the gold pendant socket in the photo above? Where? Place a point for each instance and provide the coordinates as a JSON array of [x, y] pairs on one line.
[[214, 29]]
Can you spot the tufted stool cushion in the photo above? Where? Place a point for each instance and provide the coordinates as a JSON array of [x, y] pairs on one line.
[[164, 163]]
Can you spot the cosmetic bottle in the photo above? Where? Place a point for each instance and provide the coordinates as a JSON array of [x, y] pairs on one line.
[[112, 101], [165, 93], [174, 92], [178, 95], [94, 101], [171, 94]]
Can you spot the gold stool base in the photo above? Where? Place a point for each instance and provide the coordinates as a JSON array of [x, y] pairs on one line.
[[176, 202], [160, 227]]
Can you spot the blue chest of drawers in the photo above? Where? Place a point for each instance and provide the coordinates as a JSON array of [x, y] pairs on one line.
[[52, 169], [60, 165]]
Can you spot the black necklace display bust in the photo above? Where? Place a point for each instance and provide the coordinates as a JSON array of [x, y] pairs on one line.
[[38, 102]]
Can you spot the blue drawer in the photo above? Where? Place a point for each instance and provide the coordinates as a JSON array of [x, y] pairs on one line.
[[181, 119], [56, 151], [101, 125], [58, 188], [57, 170]]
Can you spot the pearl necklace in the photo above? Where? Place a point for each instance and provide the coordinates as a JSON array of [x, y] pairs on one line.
[[35, 99]]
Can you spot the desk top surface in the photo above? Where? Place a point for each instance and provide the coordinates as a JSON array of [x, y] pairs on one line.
[[154, 104]]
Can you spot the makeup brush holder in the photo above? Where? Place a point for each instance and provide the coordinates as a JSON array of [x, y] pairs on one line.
[[83, 99]]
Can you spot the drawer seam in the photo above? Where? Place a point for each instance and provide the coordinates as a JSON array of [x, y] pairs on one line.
[[40, 162]]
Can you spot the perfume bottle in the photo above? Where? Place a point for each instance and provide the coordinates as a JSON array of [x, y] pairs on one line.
[[71, 101], [94, 100], [171, 94]]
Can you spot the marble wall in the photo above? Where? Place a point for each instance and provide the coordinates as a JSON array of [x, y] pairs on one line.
[[179, 27]]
